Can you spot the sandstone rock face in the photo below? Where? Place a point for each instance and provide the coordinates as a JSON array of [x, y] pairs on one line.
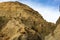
[[20, 22], [57, 32], [56, 35], [58, 21]]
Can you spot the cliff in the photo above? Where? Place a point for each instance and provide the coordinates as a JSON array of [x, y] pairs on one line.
[[20, 22]]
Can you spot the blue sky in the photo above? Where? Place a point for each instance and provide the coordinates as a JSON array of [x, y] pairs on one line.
[[49, 9]]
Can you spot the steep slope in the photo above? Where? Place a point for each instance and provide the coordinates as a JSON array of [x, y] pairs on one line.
[[58, 21], [20, 22], [56, 35], [57, 30]]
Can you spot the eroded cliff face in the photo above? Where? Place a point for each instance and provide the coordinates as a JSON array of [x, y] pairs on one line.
[[58, 21], [56, 35], [20, 22]]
